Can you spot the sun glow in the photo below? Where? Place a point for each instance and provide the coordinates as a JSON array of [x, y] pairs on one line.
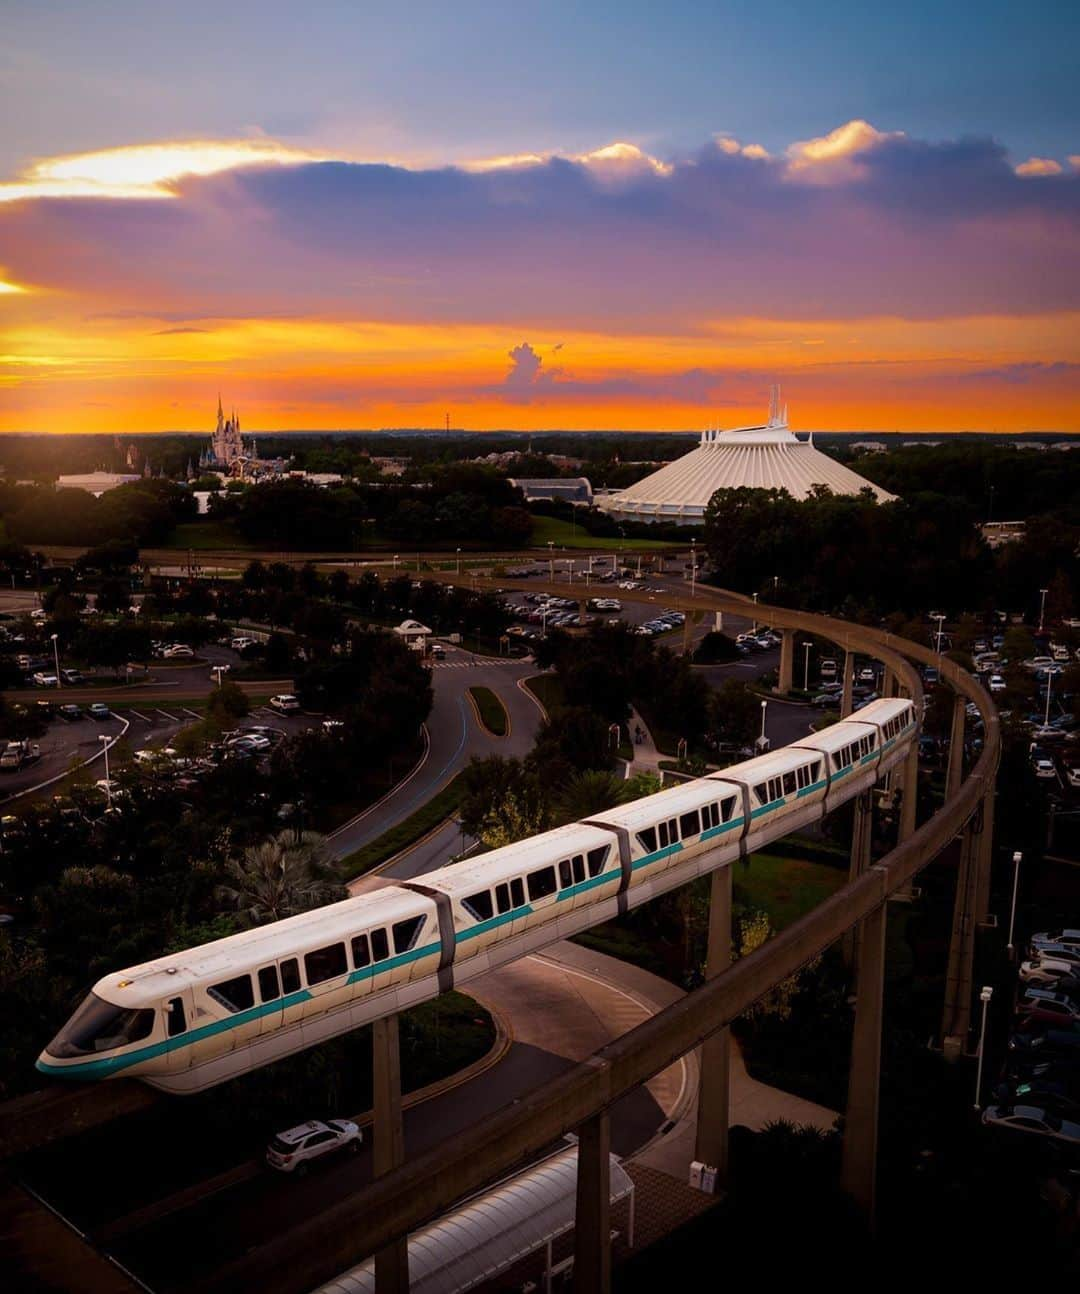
[[143, 170]]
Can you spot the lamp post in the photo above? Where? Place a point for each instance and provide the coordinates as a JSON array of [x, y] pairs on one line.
[[459, 561], [102, 737], [56, 658], [755, 613], [395, 563], [543, 621], [984, 997], [764, 707], [940, 621], [1049, 689], [693, 568], [1018, 858], [219, 671], [570, 569], [806, 667], [1042, 607], [551, 559]]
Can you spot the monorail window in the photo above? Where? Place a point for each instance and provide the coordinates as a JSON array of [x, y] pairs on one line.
[[268, 984], [406, 933], [174, 1018], [762, 792], [290, 976], [102, 1026], [542, 883], [790, 784], [566, 875], [502, 897], [647, 839], [690, 824], [578, 864], [727, 808], [479, 907], [234, 994], [361, 952], [517, 892], [596, 859], [815, 772], [325, 963], [380, 946]]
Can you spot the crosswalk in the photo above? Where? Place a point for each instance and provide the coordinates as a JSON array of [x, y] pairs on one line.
[[479, 662]]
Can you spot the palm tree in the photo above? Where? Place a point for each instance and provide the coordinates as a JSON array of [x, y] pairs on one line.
[[590, 792], [283, 875]]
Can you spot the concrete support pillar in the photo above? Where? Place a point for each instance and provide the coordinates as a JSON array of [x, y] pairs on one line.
[[888, 682], [955, 773], [846, 701], [956, 1015], [861, 839], [908, 786], [859, 1164], [985, 861], [787, 659], [592, 1219], [714, 1097], [391, 1263]]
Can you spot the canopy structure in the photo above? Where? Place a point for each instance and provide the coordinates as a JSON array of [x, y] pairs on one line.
[[767, 457], [492, 1231]]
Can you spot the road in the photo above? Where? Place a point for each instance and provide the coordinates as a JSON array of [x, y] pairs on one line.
[[455, 737]]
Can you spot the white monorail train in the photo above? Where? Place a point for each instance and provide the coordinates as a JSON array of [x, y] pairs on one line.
[[194, 1019]]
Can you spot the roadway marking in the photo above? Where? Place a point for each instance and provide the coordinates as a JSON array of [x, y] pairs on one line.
[[145, 718], [169, 718], [194, 713]]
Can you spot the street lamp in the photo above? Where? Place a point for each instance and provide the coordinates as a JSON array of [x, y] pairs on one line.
[[543, 621], [1049, 689], [395, 562], [551, 559], [755, 613], [940, 618], [693, 567], [1042, 607], [103, 737], [764, 707], [806, 667], [984, 997], [218, 670], [56, 658], [1017, 860], [459, 561]]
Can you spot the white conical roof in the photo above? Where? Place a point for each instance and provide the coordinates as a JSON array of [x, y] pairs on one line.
[[768, 457]]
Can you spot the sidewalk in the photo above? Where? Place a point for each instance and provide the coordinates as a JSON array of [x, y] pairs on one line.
[[646, 757]]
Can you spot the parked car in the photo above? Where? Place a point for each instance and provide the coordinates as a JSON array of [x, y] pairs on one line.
[[1043, 767], [1033, 1119], [1062, 936], [293, 1150], [70, 712], [868, 674], [1050, 972], [997, 683], [41, 679], [1047, 1004], [1073, 775], [99, 710], [438, 651], [18, 753], [176, 650], [71, 677], [284, 703]]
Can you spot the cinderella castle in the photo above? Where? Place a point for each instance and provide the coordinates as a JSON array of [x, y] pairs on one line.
[[232, 455]]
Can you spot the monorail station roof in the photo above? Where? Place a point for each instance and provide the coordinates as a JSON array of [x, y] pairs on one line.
[[768, 457], [491, 1232]]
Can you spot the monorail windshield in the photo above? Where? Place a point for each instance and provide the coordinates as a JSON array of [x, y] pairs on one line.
[[101, 1026]]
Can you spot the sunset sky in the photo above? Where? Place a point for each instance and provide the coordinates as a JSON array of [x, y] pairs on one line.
[[356, 215]]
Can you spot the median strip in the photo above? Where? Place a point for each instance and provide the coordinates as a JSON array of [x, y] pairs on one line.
[[490, 712], [407, 832]]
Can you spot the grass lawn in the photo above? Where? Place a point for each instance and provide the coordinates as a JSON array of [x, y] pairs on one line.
[[492, 711], [786, 888], [425, 819], [548, 690], [205, 534], [567, 534]]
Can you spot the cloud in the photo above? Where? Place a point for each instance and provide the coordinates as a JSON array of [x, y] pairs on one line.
[[835, 155], [1039, 166], [173, 332]]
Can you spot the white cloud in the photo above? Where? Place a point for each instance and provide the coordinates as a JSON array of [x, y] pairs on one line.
[[1039, 166]]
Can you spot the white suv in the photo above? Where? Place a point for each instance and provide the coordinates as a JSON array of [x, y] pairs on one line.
[[285, 703], [292, 1150]]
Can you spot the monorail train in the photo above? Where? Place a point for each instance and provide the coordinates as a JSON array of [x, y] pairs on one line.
[[193, 1019]]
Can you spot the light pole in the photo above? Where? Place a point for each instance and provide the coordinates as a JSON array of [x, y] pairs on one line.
[[693, 568], [551, 559], [1042, 607], [984, 997], [755, 613], [459, 561], [940, 621], [1018, 858], [108, 784], [543, 621], [218, 670], [806, 667], [56, 658], [570, 569], [762, 738], [395, 563], [1049, 689]]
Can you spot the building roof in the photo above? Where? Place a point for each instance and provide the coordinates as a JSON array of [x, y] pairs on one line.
[[765, 457], [490, 1232]]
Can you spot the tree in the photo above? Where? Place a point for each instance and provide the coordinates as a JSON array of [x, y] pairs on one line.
[[278, 878], [588, 793], [229, 701]]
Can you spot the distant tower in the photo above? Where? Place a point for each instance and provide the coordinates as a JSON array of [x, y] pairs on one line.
[[448, 424]]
